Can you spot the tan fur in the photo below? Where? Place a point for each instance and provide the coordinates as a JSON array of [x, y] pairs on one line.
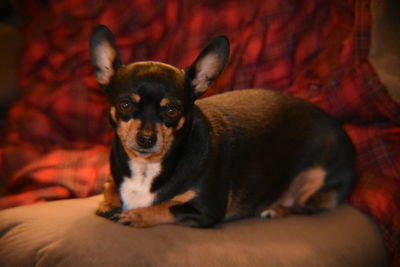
[[127, 132], [302, 189], [166, 137], [113, 113], [185, 197], [164, 102], [154, 215], [111, 199], [310, 181], [324, 200], [181, 123], [135, 98]]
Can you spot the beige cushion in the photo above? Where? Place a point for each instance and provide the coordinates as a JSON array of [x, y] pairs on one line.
[[68, 233]]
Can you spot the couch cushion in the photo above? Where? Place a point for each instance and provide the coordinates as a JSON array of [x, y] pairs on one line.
[[68, 233]]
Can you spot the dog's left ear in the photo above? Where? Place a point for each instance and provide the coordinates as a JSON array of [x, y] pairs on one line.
[[104, 55], [208, 65]]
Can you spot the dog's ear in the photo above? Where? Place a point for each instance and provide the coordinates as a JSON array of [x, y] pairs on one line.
[[104, 54], [208, 65]]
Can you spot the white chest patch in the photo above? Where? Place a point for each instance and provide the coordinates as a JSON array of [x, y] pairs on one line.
[[135, 190]]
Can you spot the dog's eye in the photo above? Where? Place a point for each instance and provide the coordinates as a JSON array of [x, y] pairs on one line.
[[172, 111], [125, 106]]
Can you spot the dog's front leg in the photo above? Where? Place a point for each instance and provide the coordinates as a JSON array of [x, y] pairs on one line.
[[111, 203], [156, 214]]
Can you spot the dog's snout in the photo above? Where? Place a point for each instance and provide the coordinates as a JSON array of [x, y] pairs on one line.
[[146, 139]]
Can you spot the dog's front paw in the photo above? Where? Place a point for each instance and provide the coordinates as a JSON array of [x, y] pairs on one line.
[[134, 218], [107, 210], [108, 214], [145, 217]]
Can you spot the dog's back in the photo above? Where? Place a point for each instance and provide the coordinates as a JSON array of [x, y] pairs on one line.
[[281, 151]]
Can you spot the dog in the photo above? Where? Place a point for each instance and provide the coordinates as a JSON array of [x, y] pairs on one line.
[[199, 162]]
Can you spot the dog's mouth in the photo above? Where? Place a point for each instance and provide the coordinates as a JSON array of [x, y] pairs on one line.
[[155, 152], [154, 149], [137, 150], [145, 151]]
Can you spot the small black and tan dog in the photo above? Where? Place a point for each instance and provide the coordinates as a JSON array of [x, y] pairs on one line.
[[238, 154]]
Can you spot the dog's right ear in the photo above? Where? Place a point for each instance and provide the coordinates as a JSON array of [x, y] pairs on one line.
[[104, 55]]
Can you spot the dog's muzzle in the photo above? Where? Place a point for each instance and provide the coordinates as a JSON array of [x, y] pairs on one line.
[[146, 139]]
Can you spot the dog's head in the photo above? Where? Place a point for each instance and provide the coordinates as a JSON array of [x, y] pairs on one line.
[[152, 101]]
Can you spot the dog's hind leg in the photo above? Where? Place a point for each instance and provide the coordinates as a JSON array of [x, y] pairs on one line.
[[321, 201], [304, 196]]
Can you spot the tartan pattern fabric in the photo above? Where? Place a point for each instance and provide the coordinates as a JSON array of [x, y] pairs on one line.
[[57, 140]]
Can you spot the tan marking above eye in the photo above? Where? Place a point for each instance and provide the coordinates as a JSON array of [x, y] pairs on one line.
[[164, 102], [135, 98]]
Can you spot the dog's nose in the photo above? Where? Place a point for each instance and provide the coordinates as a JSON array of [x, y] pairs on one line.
[[146, 139]]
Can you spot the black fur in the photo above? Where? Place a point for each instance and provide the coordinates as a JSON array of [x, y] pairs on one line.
[[245, 145]]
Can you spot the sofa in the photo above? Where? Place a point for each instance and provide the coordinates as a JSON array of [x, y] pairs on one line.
[[341, 55]]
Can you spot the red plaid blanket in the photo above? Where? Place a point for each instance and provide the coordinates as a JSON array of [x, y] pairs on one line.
[[57, 138]]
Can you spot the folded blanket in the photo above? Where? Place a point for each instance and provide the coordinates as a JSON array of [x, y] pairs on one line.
[[57, 138]]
